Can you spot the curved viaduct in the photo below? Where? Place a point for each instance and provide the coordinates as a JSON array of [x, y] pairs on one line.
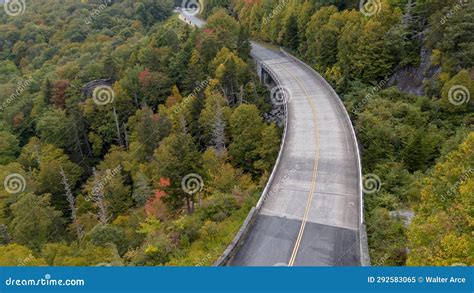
[[311, 212]]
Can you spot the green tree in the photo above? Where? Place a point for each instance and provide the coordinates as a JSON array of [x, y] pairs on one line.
[[55, 127], [9, 147], [440, 234], [246, 129], [149, 11], [148, 129], [87, 254], [291, 37], [372, 59], [243, 43], [268, 148], [35, 222], [177, 157], [18, 255], [225, 28], [457, 93], [48, 178], [215, 108], [314, 33]]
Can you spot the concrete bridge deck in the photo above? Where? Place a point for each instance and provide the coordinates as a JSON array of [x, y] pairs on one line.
[[312, 214]]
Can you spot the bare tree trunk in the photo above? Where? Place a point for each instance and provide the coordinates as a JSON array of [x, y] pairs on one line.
[[241, 95], [72, 204], [183, 122], [192, 204], [135, 99], [126, 134], [119, 136], [78, 142], [188, 205]]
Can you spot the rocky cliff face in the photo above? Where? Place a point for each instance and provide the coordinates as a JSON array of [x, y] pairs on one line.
[[411, 79], [277, 115]]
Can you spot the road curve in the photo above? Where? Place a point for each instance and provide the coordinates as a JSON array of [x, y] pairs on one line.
[[311, 215]]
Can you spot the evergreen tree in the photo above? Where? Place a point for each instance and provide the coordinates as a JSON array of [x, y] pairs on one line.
[[246, 129], [291, 38], [35, 222]]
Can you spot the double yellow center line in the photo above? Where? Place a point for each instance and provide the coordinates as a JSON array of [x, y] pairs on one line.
[[314, 173]]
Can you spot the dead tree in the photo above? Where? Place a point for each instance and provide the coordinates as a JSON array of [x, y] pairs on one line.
[[72, 204]]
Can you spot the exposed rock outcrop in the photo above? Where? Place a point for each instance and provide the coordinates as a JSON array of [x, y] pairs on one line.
[[411, 79]]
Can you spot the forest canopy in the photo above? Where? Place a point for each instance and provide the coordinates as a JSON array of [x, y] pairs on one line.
[[121, 135], [130, 138]]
